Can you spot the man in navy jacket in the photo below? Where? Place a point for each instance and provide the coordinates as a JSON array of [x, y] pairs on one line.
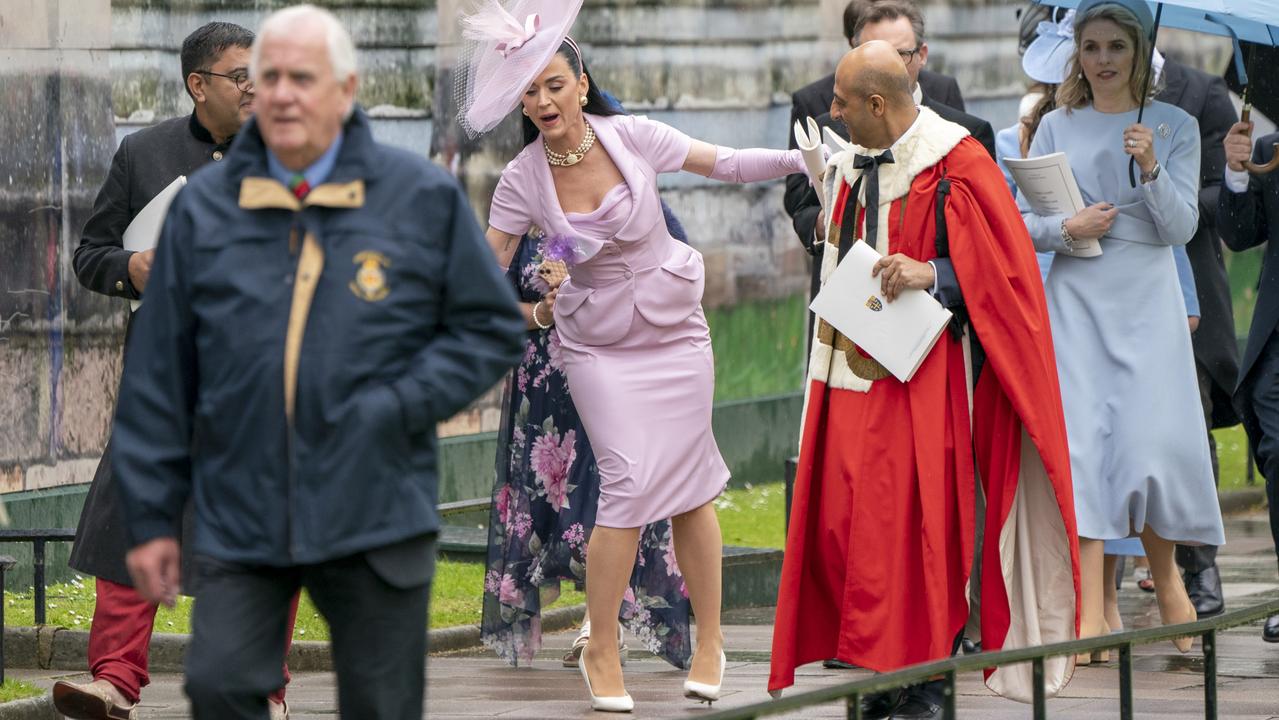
[[318, 302], [215, 71]]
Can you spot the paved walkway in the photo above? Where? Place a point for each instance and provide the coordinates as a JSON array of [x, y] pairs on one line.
[[1167, 685]]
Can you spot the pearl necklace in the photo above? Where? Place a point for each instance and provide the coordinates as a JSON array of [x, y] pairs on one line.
[[571, 158]]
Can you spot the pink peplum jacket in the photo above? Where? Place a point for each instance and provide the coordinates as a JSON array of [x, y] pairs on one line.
[[641, 269]]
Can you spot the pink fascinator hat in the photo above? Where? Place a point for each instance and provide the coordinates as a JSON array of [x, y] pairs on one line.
[[505, 46]]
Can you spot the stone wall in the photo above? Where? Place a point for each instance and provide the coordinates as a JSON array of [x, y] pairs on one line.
[[76, 75], [59, 345]]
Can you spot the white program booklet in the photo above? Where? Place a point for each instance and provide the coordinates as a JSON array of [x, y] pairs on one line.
[[144, 232], [835, 141], [809, 141], [899, 334], [1049, 186]]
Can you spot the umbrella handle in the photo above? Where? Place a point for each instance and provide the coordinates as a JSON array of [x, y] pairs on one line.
[[1256, 168]]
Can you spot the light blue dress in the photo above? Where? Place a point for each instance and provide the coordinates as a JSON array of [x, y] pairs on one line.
[[1186, 280], [1138, 445], [1008, 144]]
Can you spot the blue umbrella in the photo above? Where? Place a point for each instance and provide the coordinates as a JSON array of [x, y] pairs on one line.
[[1253, 21]]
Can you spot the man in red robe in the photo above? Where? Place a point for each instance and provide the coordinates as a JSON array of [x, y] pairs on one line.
[[882, 525]]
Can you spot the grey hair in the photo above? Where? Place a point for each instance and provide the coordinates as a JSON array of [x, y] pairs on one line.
[[341, 47]]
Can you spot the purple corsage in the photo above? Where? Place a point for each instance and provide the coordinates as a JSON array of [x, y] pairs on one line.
[[555, 255]]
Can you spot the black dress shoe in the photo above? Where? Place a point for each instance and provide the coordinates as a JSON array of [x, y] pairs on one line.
[[921, 702], [1270, 631], [968, 647], [1204, 589], [877, 706], [834, 664]]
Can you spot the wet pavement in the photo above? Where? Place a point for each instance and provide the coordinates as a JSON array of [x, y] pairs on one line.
[[1167, 685]]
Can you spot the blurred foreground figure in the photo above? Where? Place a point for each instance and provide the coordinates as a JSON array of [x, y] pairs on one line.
[[215, 73], [318, 302]]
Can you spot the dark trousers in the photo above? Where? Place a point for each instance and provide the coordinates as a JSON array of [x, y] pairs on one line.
[[1197, 558], [378, 632], [1263, 397]]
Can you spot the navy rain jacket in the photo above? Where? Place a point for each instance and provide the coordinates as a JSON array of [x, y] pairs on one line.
[[291, 358]]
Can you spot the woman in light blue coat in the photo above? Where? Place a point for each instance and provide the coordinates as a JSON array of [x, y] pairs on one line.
[[1138, 446]]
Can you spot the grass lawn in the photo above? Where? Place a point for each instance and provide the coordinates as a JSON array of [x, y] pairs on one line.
[[753, 516], [759, 347], [749, 517], [1232, 454], [18, 690], [455, 600]]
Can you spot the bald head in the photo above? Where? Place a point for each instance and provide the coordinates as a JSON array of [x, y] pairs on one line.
[[872, 94], [874, 68]]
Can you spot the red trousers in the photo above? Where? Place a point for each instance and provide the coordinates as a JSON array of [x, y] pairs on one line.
[[120, 638]]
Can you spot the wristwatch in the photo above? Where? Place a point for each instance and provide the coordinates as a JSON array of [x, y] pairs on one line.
[[1149, 177]]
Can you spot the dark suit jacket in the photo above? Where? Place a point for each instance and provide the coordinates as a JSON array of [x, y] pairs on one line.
[[1246, 220], [801, 200], [145, 163], [1206, 98]]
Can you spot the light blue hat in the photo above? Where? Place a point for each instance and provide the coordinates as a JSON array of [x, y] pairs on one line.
[[1047, 59], [1139, 8]]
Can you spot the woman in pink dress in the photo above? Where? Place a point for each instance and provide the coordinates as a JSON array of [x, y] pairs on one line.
[[635, 345]]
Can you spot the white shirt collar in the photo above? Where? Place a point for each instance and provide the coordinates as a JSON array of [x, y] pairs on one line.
[[918, 94]]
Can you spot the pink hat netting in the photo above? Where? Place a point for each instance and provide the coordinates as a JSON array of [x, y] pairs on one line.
[[505, 45]]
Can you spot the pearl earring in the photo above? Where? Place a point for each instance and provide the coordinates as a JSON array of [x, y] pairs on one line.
[[582, 101]]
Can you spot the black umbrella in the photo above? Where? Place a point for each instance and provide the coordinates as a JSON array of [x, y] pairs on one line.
[[1262, 76], [1258, 87]]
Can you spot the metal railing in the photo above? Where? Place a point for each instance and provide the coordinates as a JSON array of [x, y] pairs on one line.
[[853, 692], [6, 564], [38, 538]]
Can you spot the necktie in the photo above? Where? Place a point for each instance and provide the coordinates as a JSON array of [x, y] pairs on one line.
[[299, 185], [869, 165]]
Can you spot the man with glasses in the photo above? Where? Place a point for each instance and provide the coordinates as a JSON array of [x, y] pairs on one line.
[[902, 25], [215, 60], [813, 100]]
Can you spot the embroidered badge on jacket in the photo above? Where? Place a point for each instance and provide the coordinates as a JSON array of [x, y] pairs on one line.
[[874, 304], [370, 280]]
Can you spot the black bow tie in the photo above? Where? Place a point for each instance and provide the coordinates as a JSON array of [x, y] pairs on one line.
[[861, 162], [869, 165]]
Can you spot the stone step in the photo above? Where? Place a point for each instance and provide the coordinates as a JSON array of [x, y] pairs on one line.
[[751, 575]]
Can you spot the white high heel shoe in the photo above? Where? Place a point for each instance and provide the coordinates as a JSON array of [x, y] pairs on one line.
[[704, 692], [616, 703], [574, 654]]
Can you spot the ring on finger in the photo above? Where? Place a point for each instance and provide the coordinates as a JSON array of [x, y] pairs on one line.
[[1130, 143]]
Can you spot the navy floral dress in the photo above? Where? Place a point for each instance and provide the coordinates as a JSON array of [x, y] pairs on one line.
[[543, 510]]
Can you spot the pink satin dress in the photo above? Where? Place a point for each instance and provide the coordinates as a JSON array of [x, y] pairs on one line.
[[635, 345]]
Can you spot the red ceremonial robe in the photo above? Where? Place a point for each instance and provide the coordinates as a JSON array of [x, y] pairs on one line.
[[882, 520]]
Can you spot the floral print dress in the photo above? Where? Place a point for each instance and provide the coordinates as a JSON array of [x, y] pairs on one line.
[[543, 509]]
